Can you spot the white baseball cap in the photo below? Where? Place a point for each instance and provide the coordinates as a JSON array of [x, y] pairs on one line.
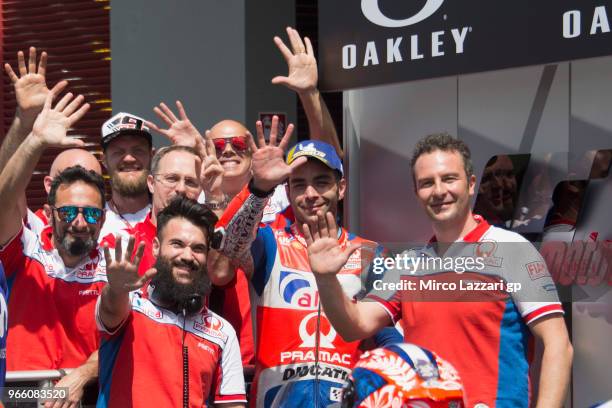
[[125, 124]]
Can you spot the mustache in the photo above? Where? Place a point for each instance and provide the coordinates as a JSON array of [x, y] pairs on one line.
[[186, 264]]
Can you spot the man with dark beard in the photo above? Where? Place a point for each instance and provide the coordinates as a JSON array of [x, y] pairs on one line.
[[54, 277], [127, 157], [199, 347]]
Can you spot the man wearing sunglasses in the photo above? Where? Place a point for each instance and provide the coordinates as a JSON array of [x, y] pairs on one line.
[[30, 87], [38, 220], [229, 138], [55, 277]]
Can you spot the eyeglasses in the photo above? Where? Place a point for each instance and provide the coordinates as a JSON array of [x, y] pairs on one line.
[[170, 180], [68, 213], [238, 143]]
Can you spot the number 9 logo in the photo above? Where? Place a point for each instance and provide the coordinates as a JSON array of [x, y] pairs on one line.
[[372, 12]]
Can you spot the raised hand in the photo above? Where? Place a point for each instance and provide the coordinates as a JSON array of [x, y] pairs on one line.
[[180, 130], [325, 254], [122, 272], [30, 85], [212, 172], [268, 164], [52, 124], [301, 61]]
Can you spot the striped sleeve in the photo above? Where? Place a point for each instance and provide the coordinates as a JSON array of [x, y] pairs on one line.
[[229, 378]]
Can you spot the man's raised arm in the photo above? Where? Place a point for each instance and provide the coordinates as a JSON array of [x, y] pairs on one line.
[[303, 78], [239, 222], [49, 129], [352, 320], [30, 93]]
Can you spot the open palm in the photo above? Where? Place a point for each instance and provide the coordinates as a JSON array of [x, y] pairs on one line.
[[180, 129], [325, 254], [30, 86], [301, 63], [267, 163], [31, 91], [52, 124], [122, 271]]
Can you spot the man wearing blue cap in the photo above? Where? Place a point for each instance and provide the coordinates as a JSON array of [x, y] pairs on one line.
[[300, 359]]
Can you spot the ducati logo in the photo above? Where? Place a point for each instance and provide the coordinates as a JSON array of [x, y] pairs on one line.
[[371, 11], [309, 339], [212, 322]]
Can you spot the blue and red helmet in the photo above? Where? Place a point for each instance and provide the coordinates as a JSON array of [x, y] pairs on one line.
[[403, 375]]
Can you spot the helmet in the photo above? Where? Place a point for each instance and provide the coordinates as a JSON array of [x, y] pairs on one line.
[[403, 375]]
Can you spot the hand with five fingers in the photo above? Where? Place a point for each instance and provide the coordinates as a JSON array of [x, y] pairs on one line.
[[52, 124], [180, 130], [30, 85], [268, 164], [325, 254], [301, 61], [122, 272]]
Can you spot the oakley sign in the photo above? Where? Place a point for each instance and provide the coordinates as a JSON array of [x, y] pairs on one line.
[[377, 42], [371, 10]]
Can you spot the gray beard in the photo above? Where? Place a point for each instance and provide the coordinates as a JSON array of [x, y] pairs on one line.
[[74, 246]]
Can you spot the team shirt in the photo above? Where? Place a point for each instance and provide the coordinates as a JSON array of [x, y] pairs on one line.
[[141, 361], [52, 305], [483, 334], [300, 359], [276, 204], [232, 300], [122, 224], [36, 221]]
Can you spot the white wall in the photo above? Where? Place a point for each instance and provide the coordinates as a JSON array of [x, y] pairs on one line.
[[563, 108]]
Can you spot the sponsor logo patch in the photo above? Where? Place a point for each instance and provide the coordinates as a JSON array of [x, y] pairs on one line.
[[89, 292], [536, 270]]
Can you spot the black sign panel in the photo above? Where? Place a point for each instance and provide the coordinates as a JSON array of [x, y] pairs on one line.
[[373, 42]]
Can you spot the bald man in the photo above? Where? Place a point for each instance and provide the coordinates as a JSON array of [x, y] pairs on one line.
[[69, 158], [38, 220], [229, 137], [233, 156]]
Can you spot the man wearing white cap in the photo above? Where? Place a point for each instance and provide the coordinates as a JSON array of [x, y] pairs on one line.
[[127, 157]]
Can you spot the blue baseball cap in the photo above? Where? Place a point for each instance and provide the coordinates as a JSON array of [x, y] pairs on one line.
[[319, 150]]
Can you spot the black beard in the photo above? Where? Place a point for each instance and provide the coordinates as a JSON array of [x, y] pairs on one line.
[[73, 245], [174, 295]]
